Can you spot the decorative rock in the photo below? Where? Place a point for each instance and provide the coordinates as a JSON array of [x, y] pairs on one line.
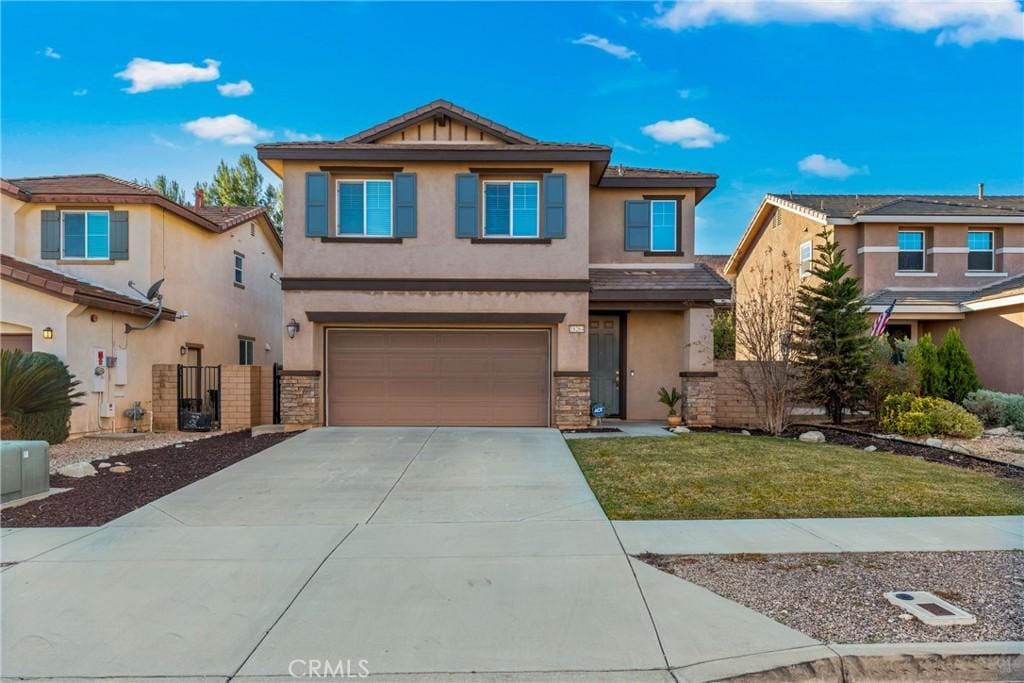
[[118, 462], [997, 431], [812, 437], [104, 465], [933, 442], [681, 430], [77, 470], [870, 449], [121, 469], [960, 449], [744, 432]]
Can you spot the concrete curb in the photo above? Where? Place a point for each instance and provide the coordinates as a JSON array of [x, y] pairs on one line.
[[860, 663]]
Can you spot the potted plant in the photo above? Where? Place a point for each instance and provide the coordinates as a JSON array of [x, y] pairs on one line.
[[671, 398]]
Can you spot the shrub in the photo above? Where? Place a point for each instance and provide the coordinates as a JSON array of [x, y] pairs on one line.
[[958, 375], [37, 394], [927, 415], [724, 332], [996, 409], [886, 377], [51, 426], [924, 357]]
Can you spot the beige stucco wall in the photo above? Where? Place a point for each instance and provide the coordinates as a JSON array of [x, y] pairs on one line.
[[655, 355], [995, 340], [607, 217]]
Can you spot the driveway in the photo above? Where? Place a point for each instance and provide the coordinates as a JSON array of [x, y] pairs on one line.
[[417, 551]]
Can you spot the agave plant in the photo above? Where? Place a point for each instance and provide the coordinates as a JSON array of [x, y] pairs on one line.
[[35, 383], [669, 398]]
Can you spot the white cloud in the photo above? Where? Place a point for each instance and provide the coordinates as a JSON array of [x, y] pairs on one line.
[[689, 133], [240, 89], [82, 92], [51, 53], [603, 44], [963, 22], [147, 74], [619, 144], [824, 167], [231, 129], [295, 136], [164, 142]]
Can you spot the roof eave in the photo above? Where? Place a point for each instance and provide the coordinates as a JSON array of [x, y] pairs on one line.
[[486, 153]]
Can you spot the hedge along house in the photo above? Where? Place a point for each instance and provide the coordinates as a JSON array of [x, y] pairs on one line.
[[70, 246], [444, 269]]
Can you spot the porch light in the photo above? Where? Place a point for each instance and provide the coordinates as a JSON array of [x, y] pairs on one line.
[[47, 333], [292, 328]]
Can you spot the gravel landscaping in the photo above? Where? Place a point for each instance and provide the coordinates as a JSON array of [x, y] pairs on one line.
[[88, 448], [837, 597], [134, 480]]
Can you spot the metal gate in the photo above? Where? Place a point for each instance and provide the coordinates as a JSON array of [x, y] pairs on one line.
[[198, 398], [277, 392]]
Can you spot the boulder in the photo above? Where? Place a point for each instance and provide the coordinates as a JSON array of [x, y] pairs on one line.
[[933, 442], [121, 469], [104, 465], [870, 449], [744, 432], [997, 431], [77, 470], [681, 430], [812, 437], [960, 449]]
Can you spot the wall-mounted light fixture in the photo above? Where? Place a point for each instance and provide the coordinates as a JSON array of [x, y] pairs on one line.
[[183, 350], [47, 333], [292, 328]]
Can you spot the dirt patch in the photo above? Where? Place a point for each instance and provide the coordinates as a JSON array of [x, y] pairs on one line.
[[837, 597], [96, 500], [87, 449]]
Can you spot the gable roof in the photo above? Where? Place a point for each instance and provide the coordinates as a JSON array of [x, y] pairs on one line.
[[692, 282], [75, 289], [97, 188], [1007, 292], [440, 107]]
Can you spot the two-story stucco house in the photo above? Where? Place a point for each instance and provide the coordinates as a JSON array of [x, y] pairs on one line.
[[443, 269], [72, 244], [945, 260]]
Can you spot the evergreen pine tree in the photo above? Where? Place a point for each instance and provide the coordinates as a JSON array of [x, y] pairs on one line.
[[925, 358], [243, 185], [832, 343], [958, 374]]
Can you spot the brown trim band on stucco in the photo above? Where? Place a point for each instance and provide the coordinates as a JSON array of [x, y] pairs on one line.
[[418, 318], [487, 170], [363, 240], [571, 373], [665, 253], [459, 154], [362, 169], [671, 295], [699, 373], [433, 285], [510, 240], [300, 373]]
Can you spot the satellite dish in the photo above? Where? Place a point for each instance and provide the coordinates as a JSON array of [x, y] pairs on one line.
[[154, 289]]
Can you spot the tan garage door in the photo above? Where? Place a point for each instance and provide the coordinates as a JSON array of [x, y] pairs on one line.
[[437, 377]]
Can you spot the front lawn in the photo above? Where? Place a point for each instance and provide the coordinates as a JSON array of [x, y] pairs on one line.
[[729, 476]]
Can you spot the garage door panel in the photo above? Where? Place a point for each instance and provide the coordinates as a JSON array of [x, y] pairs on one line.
[[436, 377]]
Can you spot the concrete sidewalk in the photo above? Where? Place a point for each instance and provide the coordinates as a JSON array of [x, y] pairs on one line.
[[871, 534]]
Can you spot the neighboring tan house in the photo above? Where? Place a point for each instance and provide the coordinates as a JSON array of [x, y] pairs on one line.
[[946, 260], [72, 244], [443, 269]]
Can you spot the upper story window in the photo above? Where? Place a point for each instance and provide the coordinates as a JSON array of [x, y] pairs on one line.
[[806, 258], [663, 225], [980, 250], [511, 208], [911, 250], [239, 267], [245, 349], [364, 208], [85, 234]]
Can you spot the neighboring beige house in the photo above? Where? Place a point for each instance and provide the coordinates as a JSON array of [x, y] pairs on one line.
[[72, 244], [444, 269], [946, 260]]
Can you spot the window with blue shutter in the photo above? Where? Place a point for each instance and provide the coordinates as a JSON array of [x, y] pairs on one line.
[[637, 225], [554, 205], [466, 205], [663, 225], [49, 247], [119, 235], [316, 205], [405, 205], [364, 208], [350, 208], [511, 208], [85, 235]]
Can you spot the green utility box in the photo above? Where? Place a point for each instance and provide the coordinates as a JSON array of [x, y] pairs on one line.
[[24, 470]]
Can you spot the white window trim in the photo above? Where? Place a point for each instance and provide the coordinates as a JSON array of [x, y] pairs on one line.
[[675, 226], [923, 251], [809, 245], [511, 201], [251, 343], [85, 235], [239, 274], [337, 209], [991, 250]]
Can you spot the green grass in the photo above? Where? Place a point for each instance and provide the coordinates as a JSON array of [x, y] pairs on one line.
[[726, 476]]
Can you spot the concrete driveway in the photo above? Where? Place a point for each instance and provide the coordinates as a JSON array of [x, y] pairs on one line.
[[415, 551]]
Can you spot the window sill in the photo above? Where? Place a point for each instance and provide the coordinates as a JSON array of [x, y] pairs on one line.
[[364, 240], [510, 240], [914, 273], [984, 273], [648, 252], [85, 261], [238, 285]]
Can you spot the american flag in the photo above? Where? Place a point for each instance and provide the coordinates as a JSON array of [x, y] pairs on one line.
[[882, 320]]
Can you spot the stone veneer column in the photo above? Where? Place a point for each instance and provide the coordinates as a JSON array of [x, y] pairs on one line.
[[572, 400], [698, 405], [165, 397], [300, 397]]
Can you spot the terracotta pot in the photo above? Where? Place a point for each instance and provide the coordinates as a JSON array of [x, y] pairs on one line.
[[674, 420]]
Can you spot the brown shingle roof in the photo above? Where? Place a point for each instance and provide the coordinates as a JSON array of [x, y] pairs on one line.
[[853, 205], [638, 172], [925, 297], [94, 183], [1011, 285], [699, 283], [63, 286]]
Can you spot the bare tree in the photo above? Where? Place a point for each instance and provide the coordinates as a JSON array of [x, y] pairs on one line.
[[765, 319]]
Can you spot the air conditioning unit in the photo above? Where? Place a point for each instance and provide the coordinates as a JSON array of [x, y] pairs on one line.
[[24, 469]]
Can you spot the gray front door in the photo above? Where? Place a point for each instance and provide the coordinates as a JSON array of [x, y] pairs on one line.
[[604, 362]]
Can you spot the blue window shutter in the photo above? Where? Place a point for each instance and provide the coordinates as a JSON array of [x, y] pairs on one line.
[[49, 247], [316, 205], [554, 205], [467, 214], [118, 235], [405, 205], [638, 225]]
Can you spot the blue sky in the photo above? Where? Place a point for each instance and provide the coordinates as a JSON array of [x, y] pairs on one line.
[[774, 97]]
